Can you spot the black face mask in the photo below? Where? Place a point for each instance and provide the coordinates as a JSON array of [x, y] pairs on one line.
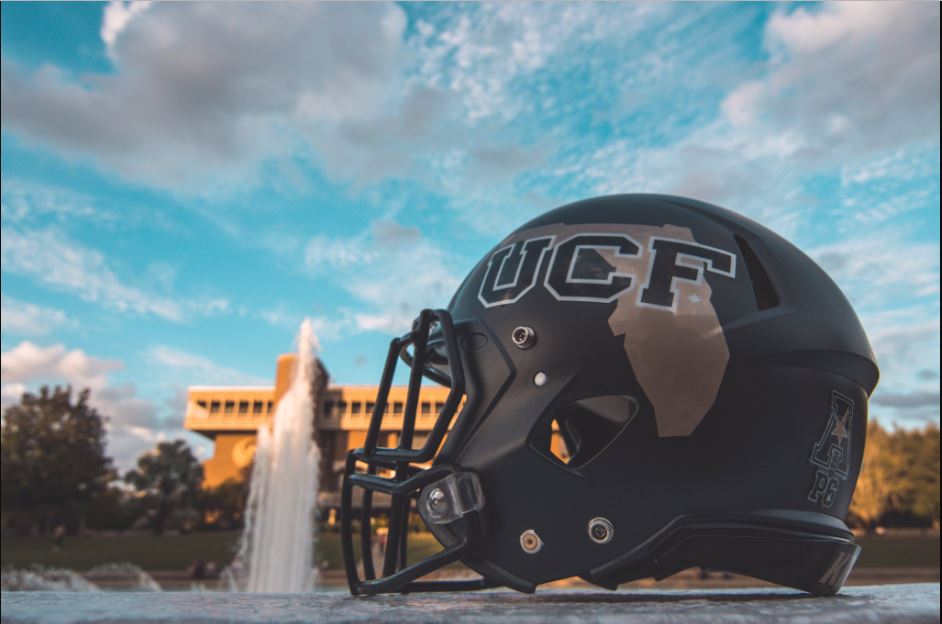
[[442, 494]]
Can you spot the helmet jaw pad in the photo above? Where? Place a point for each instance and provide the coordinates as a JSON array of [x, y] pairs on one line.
[[808, 551]]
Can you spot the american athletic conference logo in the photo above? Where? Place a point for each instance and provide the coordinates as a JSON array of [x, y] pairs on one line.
[[831, 453]]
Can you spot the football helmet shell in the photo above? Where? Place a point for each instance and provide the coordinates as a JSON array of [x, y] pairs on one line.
[[709, 382]]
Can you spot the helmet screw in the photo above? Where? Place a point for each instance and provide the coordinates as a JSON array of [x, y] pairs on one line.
[[539, 378], [530, 542], [524, 337], [435, 498], [601, 530]]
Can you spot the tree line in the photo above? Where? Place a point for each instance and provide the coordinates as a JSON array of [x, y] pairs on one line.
[[899, 481], [56, 472]]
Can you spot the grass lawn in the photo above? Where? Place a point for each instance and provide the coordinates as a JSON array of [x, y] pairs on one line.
[[168, 552], [899, 552], [176, 552]]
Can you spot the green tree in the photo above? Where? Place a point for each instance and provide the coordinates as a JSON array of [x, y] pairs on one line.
[[223, 506], [899, 480], [167, 480], [919, 458], [111, 510], [929, 499], [874, 486], [53, 457]]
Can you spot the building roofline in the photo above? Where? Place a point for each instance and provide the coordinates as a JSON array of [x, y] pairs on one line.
[[218, 388], [376, 385], [330, 387]]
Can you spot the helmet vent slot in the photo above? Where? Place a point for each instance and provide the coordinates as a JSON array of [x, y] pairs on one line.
[[762, 288], [580, 430]]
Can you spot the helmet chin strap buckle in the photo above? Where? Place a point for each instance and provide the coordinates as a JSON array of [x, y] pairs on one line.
[[450, 498]]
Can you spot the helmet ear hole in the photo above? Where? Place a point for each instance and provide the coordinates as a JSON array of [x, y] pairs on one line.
[[578, 431], [762, 287]]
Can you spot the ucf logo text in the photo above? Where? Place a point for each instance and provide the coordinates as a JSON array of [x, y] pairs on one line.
[[578, 272]]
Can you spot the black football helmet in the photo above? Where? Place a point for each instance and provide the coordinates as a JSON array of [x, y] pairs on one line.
[[646, 383]]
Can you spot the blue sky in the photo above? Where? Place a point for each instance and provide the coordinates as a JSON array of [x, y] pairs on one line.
[[183, 183]]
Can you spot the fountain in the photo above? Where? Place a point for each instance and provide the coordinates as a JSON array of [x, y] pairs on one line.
[[42, 578], [277, 547], [123, 574]]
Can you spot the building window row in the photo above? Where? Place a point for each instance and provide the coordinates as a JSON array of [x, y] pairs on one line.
[[242, 408], [356, 408], [332, 409]]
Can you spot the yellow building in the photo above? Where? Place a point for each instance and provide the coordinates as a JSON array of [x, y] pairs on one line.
[[230, 416]]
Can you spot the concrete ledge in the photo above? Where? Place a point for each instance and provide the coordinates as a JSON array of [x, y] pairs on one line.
[[917, 602]]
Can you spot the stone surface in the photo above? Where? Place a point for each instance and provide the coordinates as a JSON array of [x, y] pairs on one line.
[[918, 602]]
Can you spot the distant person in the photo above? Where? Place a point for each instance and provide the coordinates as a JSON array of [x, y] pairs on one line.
[[58, 537], [383, 534], [197, 570]]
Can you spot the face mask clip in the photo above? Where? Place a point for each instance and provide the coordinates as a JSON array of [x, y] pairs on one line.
[[450, 498]]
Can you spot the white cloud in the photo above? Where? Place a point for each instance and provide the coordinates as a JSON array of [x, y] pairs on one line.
[[891, 186], [899, 164], [896, 332], [846, 84], [481, 51], [326, 328], [55, 260], [29, 362], [23, 201], [280, 316], [323, 253], [906, 342], [202, 95], [127, 444], [117, 16], [912, 400], [894, 286], [882, 268], [847, 78], [391, 269], [173, 371], [489, 164], [210, 306], [11, 393], [28, 365], [28, 203], [134, 422], [201, 89], [29, 319], [710, 164], [195, 369]]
